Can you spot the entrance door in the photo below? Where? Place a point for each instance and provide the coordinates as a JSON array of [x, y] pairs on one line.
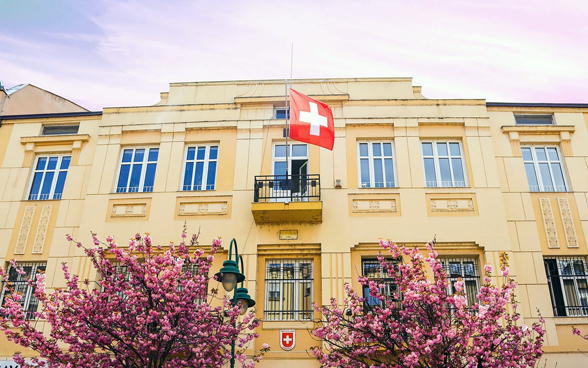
[[293, 187]]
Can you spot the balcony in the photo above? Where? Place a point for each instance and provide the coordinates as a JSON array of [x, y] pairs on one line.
[[287, 198]]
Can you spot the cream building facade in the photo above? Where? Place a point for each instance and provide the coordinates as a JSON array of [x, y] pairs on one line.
[[482, 178]]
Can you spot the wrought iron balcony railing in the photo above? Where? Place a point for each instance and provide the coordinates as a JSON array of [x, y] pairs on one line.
[[287, 188]]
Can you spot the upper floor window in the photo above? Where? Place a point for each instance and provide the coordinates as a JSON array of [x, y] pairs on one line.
[[467, 270], [568, 285], [60, 129], [288, 290], [534, 119], [49, 177], [200, 169], [137, 170], [544, 169], [376, 165], [444, 164], [373, 270], [17, 283], [280, 113]]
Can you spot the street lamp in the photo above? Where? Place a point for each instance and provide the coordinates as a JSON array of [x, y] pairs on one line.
[[229, 276]]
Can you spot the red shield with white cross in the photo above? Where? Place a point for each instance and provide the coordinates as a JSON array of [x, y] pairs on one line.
[[287, 339]]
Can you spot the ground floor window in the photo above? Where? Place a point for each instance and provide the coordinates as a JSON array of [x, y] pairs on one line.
[[288, 290]]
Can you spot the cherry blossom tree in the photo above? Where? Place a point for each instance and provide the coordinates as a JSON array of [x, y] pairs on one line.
[[576, 331], [427, 322], [150, 308]]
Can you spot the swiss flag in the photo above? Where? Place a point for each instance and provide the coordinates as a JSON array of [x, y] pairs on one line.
[[311, 121]]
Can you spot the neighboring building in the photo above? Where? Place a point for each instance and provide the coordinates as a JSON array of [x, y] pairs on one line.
[[403, 167], [28, 99]]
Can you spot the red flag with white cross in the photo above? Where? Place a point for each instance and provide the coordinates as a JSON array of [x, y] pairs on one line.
[[311, 121]]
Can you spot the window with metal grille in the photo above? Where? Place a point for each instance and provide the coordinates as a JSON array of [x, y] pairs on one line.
[[17, 283], [467, 270], [49, 177], [444, 164], [376, 165], [544, 169], [568, 285], [200, 169], [288, 290], [373, 270], [137, 170]]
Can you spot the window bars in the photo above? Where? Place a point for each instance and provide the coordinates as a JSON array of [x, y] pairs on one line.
[[288, 290], [19, 284], [568, 285], [373, 270], [467, 270]]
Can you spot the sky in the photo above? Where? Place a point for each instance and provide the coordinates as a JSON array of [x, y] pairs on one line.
[[108, 53]]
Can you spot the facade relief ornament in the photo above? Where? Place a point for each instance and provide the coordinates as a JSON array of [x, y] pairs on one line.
[[568, 222], [25, 229], [549, 222], [42, 229]]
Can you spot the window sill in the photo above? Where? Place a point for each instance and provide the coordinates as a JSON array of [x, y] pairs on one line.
[[538, 129], [285, 325], [55, 139], [570, 320]]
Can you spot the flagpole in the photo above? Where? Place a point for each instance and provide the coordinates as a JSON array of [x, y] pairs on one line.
[[287, 128]]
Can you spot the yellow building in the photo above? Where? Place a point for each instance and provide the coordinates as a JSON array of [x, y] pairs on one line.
[[482, 178]]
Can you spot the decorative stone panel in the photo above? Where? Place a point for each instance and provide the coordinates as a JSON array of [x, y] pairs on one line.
[[374, 205], [202, 208], [568, 222], [549, 223], [25, 229], [42, 229], [452, 205], [129, 210]]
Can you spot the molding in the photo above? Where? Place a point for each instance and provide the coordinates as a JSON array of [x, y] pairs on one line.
[[42, 228], [549, 223], [280, 99], [55, 139], [540, 134], [568, 222], [288, 249]]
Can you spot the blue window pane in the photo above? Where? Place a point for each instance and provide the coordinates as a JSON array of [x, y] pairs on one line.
[[428, 149], [60, 184], [41, 163], [149, 178], [388, 149], [65, 162], [377, 149], [532, 177], [280, 151], [553, 156], [527, 156], [201, 153], [365, 173], [458, 176], [135, 178], [52, 164], [139, 155], [454, 149], [127, 155], [191, 153], [560, 185], [36, 186], [188, 176], [389, 166], [123, 178], [540, 152], [210, 178], [153, 153], [445, 172], [213, 152], [46, 189], [279, 168], [430, 175], [198, 176], [363, 149], [546, 177], [299, 150], [442, 149], [378, 173]]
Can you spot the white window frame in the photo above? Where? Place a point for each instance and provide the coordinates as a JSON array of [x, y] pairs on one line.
[[206, 161], [28, 294], [370, 158], [296, 314], [144, 163], [538, 175], [289, 163], [44, 171], [438, 169]]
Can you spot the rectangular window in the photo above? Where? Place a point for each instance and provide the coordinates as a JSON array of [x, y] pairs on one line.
[[568, 285], [534, 119], [373, 270], [467, 270], [49, 177], [137, 170], [376, 165], [60, 129], [444, 164], [280, 113], [17, 283], [544, 169], [288, 290], [200, 169]]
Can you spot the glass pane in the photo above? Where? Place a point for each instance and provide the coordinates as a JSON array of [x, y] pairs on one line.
[[135, 177], [36, 186], [540, 152], [127, 155], [60, 184], [123, 178], [454, 149], [579, 268], [191, 153], [560, 185], [377, 149], [52, 163], [198, 176], [428, 149], [468, 269], [188, 176], [378, 173], [280, 168], [201, 153], [455, 269], [571, 293], [552, 152], [389, 168], [532, 177], [280, 150], [213, 152], [41, 163], [527, 156], [442, 149], [365, 173], [153, 153], [445, 172], [363, 149], [46, 189], [545, 177], [583, 289], [430, 177], [210, 178], [65, 162], [458, 176], [149, 178], [388, 149], [139, 155], [566, 267], [299, 150]]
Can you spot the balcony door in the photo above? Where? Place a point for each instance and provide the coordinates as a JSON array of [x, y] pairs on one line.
[[295, 186]]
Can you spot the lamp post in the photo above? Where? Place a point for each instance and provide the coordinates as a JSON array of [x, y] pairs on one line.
[[229, 276]]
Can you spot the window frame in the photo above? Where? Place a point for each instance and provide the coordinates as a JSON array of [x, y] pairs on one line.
[[551, 118], [445, 261], [207, 160], [538, 176], [143, 174], [437, 166], [389, 282], [370, 158], [57, 170], [286, 113], [28, 294], [288, 162], [280, 314], [569, 310], [43, 133]]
